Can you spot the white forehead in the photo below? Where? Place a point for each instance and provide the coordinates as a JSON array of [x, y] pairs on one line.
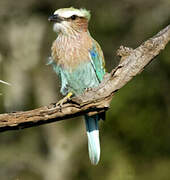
[[68, 12]]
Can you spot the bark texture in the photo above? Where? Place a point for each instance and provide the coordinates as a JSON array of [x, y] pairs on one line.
[[96, 100]]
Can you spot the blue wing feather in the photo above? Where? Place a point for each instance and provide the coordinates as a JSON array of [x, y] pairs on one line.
[[97, 62]]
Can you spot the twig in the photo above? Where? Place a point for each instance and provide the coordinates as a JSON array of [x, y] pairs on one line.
[[98, 99], [5, 83]]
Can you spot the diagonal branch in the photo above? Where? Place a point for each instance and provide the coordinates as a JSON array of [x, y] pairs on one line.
[[96, 100]]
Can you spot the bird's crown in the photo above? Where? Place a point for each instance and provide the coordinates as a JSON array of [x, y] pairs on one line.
[[68, 12]]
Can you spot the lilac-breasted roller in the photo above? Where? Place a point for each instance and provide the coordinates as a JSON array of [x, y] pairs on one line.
[[79, 62]]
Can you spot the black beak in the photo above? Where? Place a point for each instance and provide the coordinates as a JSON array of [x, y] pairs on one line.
[[55, 18]]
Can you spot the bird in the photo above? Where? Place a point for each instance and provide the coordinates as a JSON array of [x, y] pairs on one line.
[[79, 62]]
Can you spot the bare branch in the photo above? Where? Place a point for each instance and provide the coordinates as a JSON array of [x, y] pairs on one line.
[[98, 99]]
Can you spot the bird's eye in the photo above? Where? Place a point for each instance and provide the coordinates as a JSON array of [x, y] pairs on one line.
[[73, 17]]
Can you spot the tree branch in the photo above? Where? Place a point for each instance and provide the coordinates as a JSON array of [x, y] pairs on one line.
[[95, 100]]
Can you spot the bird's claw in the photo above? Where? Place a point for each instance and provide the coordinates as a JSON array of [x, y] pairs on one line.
[[88, 89], [64, 100]]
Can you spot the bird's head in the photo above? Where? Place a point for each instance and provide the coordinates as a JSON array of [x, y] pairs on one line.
[[70, 20]]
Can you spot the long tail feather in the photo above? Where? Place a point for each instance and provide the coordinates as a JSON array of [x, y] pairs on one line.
[[93, 138]]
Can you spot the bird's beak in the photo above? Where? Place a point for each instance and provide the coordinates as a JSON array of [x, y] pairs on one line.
[[55, 18]]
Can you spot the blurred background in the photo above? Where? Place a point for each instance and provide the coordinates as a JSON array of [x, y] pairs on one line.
[[135, 138]]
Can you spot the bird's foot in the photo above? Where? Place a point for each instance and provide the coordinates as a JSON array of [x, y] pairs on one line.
[[88, 89], [64, 100]]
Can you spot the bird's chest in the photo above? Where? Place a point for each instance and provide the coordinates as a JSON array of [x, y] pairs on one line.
[[69, 53]]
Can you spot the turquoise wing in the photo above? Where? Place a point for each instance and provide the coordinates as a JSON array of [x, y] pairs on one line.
[[97, 60]]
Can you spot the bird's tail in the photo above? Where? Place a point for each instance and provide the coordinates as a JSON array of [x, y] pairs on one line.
[[93, 138]]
